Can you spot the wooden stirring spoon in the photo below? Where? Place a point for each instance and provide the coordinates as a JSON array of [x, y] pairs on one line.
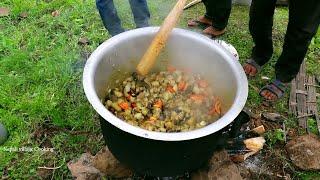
[[149, 58]]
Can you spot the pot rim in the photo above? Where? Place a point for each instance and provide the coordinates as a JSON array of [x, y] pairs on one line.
[[226, 119]]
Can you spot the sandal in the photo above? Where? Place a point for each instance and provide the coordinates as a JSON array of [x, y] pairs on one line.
[[276, 87], [197, 23], [213, 32], [255, 65]]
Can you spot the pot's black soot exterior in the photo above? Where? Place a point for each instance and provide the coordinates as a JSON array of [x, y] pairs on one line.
[[165, 158], [159, 158]]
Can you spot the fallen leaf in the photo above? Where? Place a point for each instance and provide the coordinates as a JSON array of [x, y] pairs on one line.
[[55, 13], [23, 15], [4, 11], [83, 41]]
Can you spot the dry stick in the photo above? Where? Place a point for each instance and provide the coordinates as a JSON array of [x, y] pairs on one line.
[[301, 98], [304, 115], [159, 42], [192, 4], [293, 97], [50, 168], [254, 87], [284, 131], [317, 86], [54, 164], [318, 122]]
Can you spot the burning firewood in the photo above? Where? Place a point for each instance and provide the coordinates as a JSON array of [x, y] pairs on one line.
[[241, 157], [246, 145], [259, 130], [251, 147], [255, 144]]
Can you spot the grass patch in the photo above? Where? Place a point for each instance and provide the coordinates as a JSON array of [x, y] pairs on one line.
[[274, 136]]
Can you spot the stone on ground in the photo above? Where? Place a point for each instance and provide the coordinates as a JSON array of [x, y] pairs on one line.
[[98, 166], [304, 152], [220, 168], [106, 163], [83, 169], [3, 134]]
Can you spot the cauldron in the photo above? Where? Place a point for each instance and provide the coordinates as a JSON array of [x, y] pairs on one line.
[[156, 153]]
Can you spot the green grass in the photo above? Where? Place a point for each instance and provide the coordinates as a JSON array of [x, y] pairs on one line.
[[308, 175], [274, 136], [41, 96]]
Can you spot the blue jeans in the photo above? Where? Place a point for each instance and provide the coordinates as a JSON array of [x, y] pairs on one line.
[[112, 21]]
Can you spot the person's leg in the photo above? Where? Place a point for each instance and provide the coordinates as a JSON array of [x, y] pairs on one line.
[[205, 20], [304, 19], [140, 12], [260, 26], [220, 12], [209, 12], [109, 16]]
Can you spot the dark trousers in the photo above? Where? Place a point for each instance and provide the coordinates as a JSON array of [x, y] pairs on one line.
[[304, 19], [218, 11]]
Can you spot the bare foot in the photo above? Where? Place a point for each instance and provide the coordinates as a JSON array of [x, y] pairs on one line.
[[213, 31], [250, 70], [201, 19]]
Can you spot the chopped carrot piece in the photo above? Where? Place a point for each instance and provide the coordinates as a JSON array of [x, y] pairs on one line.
[[128, 97], [124, 105], [186, 70], [212, 111], [151, 120], [171, 69], [205, 93], [198, 98], [133, 105], [158, 104], [182, 86], [170, 89], [217, 107], [203, 83]]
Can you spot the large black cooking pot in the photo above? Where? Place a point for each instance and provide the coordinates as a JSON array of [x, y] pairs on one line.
[[156, 153], [166, 158]]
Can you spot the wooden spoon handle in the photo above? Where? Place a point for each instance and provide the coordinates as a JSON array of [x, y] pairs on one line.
[[149, 58]]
